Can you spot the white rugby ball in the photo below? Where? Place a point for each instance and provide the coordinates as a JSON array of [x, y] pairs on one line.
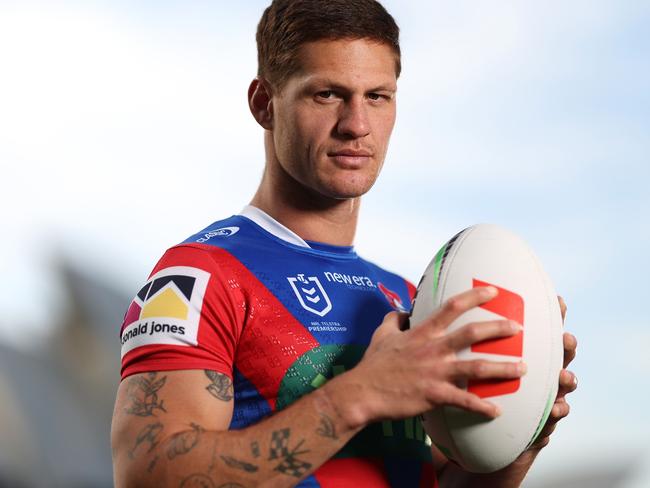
[[490, 255]]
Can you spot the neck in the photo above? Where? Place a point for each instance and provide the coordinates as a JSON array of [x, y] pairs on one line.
[[312, 216]]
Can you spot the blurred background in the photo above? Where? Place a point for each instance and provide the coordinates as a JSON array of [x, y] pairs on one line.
[[124, 128]]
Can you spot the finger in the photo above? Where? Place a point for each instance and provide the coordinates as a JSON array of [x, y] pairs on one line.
[[480, 331], [568, 383], [559, 411], [562, 307], [541, 442], [459, 304], [570, 344], [480, 369], [453, 396], [548, 429], [390, 325]]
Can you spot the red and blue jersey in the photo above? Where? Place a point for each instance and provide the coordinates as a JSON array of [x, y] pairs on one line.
[[280, 316]]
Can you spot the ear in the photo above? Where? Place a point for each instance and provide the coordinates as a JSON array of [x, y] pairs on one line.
[[260, 102]]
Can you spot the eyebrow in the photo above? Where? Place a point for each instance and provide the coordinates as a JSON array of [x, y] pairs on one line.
[[337, 86]]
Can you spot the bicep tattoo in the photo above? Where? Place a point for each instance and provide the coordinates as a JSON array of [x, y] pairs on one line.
[[143, 392], [220, 385]]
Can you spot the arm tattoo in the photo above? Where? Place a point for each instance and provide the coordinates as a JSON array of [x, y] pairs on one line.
[[152, 464], [326, 428], [220, 386], [202, 481], [255, 448], [148, 434], [289, 462], [197, 481], [184, 442], [237, 464], [142, 390]]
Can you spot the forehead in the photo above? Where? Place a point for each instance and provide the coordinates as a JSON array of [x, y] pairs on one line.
[[347, 61]]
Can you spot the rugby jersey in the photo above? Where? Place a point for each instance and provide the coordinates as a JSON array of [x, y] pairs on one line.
[[280, 316]]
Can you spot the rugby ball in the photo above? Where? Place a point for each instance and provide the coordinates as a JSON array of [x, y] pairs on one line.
[[485, 255]]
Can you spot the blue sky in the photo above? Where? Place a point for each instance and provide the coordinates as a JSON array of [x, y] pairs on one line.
[[124, 128]]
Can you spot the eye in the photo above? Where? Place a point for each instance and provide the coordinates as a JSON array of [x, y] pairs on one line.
[[379, 97], [325, 94]]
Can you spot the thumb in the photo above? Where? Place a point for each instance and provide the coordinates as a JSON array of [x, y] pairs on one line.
[[393, 323]]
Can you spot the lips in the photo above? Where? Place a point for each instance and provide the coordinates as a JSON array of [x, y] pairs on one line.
[[350, 158]]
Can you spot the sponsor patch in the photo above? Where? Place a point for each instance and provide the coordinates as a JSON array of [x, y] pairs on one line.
[[166, 310]]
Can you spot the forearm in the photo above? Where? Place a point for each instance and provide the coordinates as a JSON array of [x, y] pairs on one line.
[[278, 451], [452, 476]]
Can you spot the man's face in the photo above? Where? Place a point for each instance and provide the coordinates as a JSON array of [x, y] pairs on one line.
[[332, 120]]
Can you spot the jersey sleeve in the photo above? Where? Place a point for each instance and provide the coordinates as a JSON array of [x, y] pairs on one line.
[[188, 315]]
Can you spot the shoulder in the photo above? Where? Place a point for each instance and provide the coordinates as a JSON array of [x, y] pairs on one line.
[[214, 245]]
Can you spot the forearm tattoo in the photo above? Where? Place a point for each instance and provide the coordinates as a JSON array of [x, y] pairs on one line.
[[199, 480], [237, 464], [326, 428], [183, 442], [289, 462], [220, 385]]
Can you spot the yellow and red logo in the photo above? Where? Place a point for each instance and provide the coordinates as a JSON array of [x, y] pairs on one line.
[[166, 310]]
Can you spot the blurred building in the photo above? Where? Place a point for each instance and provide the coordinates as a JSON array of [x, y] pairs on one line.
[[57, 401]]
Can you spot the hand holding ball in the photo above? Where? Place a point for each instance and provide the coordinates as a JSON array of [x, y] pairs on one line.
[[488, 255]]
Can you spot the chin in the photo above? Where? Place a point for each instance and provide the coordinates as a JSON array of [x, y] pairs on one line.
[[347, 189]]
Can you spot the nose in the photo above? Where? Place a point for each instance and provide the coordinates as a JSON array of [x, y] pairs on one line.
[[353, 119]]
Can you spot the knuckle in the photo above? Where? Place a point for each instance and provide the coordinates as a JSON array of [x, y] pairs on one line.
[[435, 393], [474, 332], [454, 304], [478, 368]]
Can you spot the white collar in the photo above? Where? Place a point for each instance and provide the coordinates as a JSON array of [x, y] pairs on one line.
[[269, 224]]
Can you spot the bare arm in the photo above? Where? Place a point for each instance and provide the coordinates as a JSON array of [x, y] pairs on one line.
[[169, 428]]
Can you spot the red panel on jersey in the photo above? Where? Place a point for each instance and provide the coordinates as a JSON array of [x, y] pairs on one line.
[[236, 307], [346, 473]]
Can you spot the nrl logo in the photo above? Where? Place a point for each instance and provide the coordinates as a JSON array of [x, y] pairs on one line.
[[311, 294]]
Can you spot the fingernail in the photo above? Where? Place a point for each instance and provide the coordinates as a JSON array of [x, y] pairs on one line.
[[522, 368], [491, 291], [575, 381], [516, 326], [497, 410]]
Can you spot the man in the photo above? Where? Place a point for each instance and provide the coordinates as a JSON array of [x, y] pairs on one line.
[[260, 351]]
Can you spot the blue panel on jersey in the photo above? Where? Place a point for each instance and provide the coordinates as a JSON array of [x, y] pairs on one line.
[[338, 296], [249, 404]]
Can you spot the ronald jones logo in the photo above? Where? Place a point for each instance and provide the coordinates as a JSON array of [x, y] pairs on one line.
[[166, 310]]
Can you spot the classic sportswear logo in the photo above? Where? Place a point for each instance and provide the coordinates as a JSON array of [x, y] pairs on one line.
[[310, 294], [166, 310], [510, 306], [223, 232]]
